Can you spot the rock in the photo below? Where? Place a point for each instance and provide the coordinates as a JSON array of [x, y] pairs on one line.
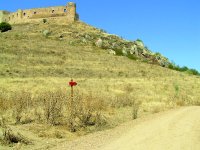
[[84, 40], [145, 53], [46, 32], [99, 43], [87, 36], [124, 51], [115, 45], [112, 52], [76, 35], [17, 146], [106, 45], [133, 49], [158, 57], [163, 62]]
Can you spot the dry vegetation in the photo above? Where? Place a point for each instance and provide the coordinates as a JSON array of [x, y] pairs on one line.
[[35, 96]]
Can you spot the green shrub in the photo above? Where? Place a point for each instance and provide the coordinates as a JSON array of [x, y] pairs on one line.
[[184, 68], [131, 56], [118, 52], [173, 66], [157, 54], [77, 17], [139, 40], [193, 72], [44, 20], [4, 26], [177, 68]]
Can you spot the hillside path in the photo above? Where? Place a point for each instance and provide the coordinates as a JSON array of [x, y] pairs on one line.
[[177, 129]]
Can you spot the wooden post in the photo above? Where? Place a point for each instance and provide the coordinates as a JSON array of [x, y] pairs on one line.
[[72, 109], [72, 96], [72, 93]]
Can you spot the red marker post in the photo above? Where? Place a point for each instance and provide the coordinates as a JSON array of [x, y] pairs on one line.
[[72, 84]]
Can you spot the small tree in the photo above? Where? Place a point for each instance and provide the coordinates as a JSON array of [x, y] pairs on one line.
[[77, 17], [44, 20], [4, 26]]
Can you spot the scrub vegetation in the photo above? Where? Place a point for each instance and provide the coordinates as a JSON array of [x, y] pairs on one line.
[[35, 101]]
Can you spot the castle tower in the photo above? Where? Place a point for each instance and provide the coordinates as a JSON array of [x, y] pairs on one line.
[[71, 12], [20, 14], [3, 15]]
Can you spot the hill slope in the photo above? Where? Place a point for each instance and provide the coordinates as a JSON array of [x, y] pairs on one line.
[[38, 60], [73, 51], [31, 46]]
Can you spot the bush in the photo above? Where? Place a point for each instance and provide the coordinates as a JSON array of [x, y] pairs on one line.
[[77, 17], [4, 26], [157, 54], [131, 56], [52, 106], [139, 40], [10, 136], [84, 111], [44, 20], [171, 66], [118, 52], [183, 69], [193, 72], [22, 102]]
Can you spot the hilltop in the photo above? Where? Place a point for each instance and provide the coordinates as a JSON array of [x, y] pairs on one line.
[[118, 80]]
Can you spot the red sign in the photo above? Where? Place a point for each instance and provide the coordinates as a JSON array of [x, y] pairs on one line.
[[72, 83]]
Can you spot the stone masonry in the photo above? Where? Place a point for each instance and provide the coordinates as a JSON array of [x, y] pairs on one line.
[[59, 14]]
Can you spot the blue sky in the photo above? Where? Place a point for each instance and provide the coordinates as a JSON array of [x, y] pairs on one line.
[[171, 27]]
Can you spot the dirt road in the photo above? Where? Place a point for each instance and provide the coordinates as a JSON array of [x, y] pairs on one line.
[[172, 130]]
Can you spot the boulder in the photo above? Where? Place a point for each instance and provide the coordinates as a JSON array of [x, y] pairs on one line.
[[99, 43], [106, 44], [124, 51], [133, 49], [145, 53], [46, 32], [87, 36], [84, 40], [112, 52]]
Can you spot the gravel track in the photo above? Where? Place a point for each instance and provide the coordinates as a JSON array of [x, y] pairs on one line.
[[177, 129]]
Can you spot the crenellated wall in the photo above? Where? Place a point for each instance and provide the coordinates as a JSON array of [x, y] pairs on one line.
[[3, 15], [62, 14]]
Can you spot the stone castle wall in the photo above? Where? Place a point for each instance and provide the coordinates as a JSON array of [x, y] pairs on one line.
[[61, 14]]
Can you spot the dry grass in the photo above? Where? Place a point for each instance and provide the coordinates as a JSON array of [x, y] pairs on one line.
[[35, 71]]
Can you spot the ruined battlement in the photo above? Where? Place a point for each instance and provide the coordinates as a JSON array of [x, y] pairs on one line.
[[59, 14]]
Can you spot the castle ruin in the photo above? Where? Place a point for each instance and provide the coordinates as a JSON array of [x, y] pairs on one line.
[[59, 14]]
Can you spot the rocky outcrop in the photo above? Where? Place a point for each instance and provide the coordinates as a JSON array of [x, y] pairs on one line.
[[115, 45], [99, 43]]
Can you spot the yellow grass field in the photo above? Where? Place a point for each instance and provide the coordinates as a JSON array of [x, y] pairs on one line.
[[111, 89]]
